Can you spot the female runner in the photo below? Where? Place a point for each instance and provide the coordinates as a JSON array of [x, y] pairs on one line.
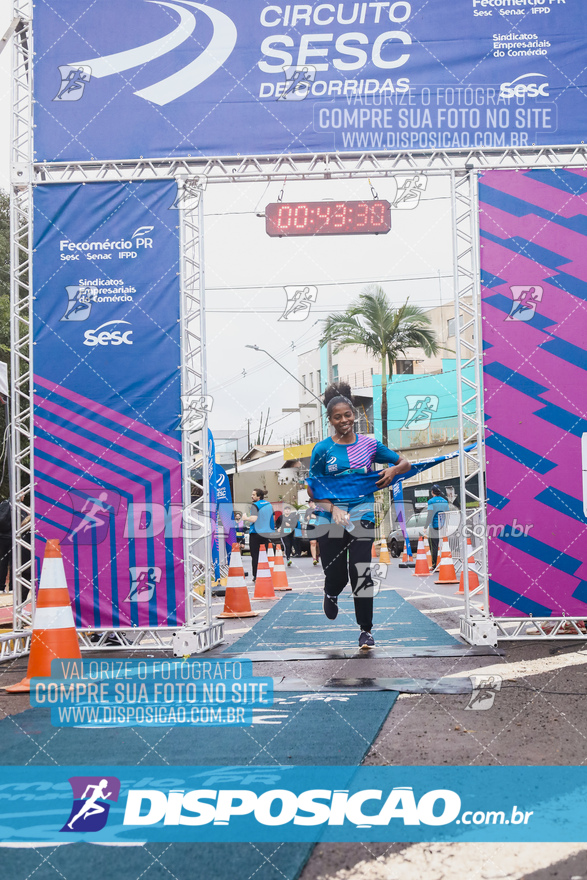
[[342, 481]]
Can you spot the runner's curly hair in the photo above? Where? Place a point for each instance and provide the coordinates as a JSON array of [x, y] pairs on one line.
[[339, 393]]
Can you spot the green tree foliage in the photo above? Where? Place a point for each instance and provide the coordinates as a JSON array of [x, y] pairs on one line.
[[373, 323]]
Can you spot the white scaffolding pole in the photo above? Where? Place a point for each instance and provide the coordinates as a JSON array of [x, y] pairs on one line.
[[21, 359], [477, 627]]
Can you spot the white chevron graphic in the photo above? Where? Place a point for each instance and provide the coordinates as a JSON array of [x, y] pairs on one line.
[[193, 74]]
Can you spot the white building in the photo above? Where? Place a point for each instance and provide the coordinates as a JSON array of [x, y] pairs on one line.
[[357, 367]]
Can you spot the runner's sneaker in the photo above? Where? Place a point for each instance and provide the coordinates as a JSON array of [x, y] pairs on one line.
[[330, 606], [315, 562], [366, 641], [289, 561]]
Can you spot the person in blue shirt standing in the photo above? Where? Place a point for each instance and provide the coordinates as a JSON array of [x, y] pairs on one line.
[[345, 524], [287, 525], [437, 503], [262, 529]]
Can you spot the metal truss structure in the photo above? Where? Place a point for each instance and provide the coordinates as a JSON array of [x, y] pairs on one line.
[[318, 166], [476, 624], [21, 409], [193, 175]]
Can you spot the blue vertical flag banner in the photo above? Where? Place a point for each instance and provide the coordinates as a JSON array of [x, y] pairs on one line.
[[213, 496], [226, 78], [107, 445], [225, 508], [398, 499]]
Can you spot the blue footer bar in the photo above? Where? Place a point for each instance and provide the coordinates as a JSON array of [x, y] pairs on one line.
[[294, 804]]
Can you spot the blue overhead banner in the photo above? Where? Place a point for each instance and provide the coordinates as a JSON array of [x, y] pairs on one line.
[[128, 79]]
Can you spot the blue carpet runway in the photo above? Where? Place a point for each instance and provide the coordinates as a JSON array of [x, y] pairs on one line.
[[298, 621]]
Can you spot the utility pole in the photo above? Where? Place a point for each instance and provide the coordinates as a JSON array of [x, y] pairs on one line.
[[329, 362]]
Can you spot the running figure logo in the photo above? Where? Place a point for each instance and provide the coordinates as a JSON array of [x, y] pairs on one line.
[[298, 81], [524, 301], [94, 516], [90, 805], [299, 302], [74, 79], [421, 408], [143, 582], [484, 689], [79, 302], [409, 192]]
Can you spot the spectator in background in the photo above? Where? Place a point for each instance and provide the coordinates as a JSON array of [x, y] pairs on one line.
[[437, 505], [262, 525], [297, 539], [287, 525], [311, 520], [239, 528]]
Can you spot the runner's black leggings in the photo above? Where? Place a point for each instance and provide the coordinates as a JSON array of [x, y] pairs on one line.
[[347, 555]]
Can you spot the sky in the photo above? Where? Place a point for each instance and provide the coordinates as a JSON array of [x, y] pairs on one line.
[[5, 89], [246, 272]]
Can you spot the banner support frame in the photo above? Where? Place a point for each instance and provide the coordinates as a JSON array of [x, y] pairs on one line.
[[21, 354], [249, 169]]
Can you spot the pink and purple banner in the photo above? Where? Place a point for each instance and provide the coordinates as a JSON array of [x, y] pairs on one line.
[[534, 292]]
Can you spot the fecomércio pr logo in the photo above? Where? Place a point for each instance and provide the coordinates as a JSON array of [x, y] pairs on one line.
[[91, 796]]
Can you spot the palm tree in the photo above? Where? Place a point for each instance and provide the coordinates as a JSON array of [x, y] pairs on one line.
[[372, 322]]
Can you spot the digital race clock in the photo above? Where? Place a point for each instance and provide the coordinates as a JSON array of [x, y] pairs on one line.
[[328, 218]]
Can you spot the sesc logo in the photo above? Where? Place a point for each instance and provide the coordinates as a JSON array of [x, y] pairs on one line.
[[108, 337], [517, 89]]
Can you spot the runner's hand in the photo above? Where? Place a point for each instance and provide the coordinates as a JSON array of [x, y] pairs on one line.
[[386, 477], [340, 517]]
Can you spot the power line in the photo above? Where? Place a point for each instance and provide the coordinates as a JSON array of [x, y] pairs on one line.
[[396, 279], [255, 212]]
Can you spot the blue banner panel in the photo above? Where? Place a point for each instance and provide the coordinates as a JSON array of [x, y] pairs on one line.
[[106, 332], [276, 803], [123, 79]]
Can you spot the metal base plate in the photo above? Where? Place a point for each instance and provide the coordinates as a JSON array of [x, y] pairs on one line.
[[14, 644]]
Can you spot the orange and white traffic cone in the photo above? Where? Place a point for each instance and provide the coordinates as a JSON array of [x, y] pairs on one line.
[[421, 569], [374, 550], [270, 556], [264, 582], [384, 553], [407, 560], [446, 569], [473, 576], [54, 636], [428, 552], [279, 573], [236, 599]]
